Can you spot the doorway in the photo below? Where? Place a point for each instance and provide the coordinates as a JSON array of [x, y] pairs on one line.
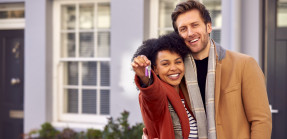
[[276, 63], [11, 83]]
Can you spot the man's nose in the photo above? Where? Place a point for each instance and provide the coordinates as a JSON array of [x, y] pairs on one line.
[[190, 32]]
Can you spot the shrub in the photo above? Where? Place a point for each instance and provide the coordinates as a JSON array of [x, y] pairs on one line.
[[94, 134], [48, 131], [120, 128], [115, 129]]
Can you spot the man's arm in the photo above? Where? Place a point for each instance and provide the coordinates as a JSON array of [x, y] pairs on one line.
[[256, 101]]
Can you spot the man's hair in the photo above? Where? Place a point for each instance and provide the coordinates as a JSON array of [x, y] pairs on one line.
[[187, 6], [171, 42]]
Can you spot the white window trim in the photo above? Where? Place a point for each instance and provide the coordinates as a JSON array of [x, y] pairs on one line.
[[71, 120], [7, 24]]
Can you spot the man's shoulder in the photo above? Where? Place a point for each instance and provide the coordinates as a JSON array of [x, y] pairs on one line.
[[236, 59], [237, 55], [231, 57]]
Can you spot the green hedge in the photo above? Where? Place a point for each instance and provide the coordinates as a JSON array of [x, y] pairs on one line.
[[115, 129]]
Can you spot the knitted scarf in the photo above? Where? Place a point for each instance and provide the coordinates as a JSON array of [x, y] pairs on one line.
[[205, 123]]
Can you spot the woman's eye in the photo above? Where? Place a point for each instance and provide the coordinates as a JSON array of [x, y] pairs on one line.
[[178, 62], [164, 64]]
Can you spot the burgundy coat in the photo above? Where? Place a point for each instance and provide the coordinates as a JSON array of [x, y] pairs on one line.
[[154, 108]]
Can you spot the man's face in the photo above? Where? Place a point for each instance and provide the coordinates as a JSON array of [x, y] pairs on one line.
[[194, 31]]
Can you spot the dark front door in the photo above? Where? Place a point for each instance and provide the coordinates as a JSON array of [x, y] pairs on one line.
[[276, 60], [11, 83]]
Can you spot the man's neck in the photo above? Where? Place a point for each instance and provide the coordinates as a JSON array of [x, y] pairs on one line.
[[202, 54]]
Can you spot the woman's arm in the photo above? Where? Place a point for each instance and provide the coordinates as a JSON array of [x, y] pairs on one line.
[[152, 99]]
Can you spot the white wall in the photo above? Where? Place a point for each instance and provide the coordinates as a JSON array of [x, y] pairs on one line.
[[251, 24], [35, 112], [241, 27], [126, 35]]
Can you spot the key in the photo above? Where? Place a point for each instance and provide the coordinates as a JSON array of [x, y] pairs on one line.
[[148, 71]]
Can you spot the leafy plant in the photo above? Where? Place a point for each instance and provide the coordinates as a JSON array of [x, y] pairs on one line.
[[48, 131], [115, 129], [120, 128], [68, 133], [94, 134]]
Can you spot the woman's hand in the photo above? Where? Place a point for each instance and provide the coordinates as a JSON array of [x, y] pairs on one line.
[[139, 63]]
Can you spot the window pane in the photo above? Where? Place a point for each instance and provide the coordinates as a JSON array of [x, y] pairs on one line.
[[68, 17], [165, 31], [87, 44], [89, 73], [71, 100], [165, 10], [104, 20], [12, 14], [71, 72], [282, 14], [214, 8], [68, 45], [87, 16], [105, 74], [104, 44], [105, 101], [89, 100], [215, 35]]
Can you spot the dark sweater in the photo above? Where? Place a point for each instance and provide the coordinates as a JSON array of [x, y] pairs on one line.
[[201, 67]]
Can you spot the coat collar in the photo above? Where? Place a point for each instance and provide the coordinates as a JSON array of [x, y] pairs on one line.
[[220, 51]]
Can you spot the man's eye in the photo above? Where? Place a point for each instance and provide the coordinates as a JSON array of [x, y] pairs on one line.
[[182, 29]]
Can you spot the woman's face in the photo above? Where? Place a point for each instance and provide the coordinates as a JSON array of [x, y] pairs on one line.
[[169, 67]]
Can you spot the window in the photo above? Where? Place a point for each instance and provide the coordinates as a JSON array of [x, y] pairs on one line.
[[282, 13], [12, 16], [214, 8], [12, 11], [82, 45], [166, 7]]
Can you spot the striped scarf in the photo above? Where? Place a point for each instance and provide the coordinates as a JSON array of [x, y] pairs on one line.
[[205, 124]]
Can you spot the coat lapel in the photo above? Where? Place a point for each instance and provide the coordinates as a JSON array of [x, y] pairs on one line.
[[175, 101], [217, 86], [220, 55]]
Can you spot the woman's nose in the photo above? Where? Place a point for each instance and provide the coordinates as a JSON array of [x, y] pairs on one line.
[[173, 67]]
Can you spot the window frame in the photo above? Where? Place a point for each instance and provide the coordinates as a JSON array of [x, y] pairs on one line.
[[58, 70]]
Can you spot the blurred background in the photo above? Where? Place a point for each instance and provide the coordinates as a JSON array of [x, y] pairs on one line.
[[67, 62]]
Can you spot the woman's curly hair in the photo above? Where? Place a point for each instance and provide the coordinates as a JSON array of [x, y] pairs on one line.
[[171, 42]]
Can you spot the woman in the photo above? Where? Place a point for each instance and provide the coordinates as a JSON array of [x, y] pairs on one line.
[[163, 100]]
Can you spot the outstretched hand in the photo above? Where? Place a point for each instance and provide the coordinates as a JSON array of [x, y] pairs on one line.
[[139, 63]]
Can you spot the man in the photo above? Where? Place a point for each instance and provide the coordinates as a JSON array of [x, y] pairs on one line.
[[226, 89]]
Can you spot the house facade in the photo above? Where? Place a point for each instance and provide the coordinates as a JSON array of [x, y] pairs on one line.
[[67, 62]]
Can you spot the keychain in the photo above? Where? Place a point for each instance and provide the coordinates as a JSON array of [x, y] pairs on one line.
[[148, 71]]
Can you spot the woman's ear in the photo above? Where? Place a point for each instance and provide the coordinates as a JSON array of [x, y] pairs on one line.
[[155, 70]]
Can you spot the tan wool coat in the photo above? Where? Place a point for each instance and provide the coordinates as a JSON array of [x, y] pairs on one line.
[[241, 104]]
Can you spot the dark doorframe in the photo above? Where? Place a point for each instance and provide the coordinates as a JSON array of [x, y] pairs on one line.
[[11, 83], [275, 68]]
